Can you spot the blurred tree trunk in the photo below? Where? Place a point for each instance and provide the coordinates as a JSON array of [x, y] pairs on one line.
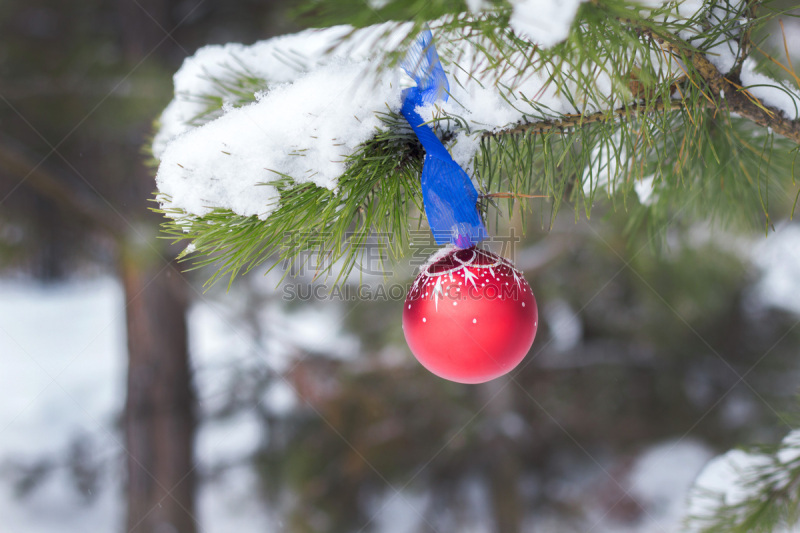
[[159, 410], [502, 464], [507, 509]]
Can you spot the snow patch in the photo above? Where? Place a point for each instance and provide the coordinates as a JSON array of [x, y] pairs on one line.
[[566, 327], [63, 358], [688, 9], [275, 61], [722, 482], [769, 91], [300, 130], [737, 476], [54, 343], [662, 476], [544, 22], [644, 190], [778, 257]]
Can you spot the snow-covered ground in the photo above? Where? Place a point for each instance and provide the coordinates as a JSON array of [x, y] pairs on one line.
[[62, 355]]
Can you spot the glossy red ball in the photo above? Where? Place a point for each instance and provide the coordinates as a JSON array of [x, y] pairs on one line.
[[470, 316]]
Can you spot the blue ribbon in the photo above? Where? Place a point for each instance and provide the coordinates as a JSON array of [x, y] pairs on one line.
[[449, 197]]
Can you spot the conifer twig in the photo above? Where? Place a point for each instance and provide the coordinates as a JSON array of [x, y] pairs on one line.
[[745, 40], [727, 93], [512, 195], [576, 120]]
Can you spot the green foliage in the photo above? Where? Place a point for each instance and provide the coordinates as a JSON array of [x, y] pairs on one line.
[[641, 124], [697, 168]]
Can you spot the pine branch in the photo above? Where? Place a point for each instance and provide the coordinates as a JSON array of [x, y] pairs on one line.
[[314, 227], [710, 153], [745, 39], [575, 120], [726, 92]]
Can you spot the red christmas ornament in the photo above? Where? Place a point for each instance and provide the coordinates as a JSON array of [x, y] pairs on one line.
[[470, 316]]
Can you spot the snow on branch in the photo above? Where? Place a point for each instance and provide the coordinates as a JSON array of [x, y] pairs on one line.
[[315, 107], [309, 118], [312, 109], [744, 491], [254, 127]]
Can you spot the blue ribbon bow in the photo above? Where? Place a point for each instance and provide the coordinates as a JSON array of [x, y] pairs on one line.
[[449, 197]]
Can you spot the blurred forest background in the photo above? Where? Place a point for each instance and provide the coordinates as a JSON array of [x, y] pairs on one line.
[[240, 409]]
